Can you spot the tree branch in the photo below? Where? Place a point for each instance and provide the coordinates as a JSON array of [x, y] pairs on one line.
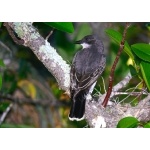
[[117, 87], [34, 102], [44, 52]]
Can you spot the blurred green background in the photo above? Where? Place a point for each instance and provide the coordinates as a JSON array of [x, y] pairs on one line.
[[24, 76]]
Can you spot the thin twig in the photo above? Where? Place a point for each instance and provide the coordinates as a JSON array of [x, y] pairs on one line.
[[111, 77], [103, 84], [5, 113], [130, 93], [43, 102], [6, 47], [50, 33]]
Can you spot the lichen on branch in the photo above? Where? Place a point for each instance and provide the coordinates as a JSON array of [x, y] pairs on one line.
[[44, 52]]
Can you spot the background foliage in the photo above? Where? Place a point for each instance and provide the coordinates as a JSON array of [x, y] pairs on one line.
[[23, 76]]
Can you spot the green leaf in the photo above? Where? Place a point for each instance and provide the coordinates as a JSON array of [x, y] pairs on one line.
[[2, 63], [117, 37], [63, 26], [147, 125], [148, 26], [142, 50], [0, 24], [145, 68], [128, 122], [3, 106]]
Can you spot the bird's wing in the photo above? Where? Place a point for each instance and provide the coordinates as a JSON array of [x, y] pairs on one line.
[[88, 79], [73, 84], [80, 81]]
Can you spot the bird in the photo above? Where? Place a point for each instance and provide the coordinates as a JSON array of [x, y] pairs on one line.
[[87, 66]]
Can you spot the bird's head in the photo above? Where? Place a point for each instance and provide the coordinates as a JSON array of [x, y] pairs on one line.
[[87, 41]]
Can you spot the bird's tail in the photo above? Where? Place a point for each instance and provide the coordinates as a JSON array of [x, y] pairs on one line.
[[78, 106]]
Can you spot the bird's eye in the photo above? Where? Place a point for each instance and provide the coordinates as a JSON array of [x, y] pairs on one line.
[[86, 39], [90, 40]]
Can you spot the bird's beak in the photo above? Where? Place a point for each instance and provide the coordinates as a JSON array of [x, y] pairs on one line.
[[78, 42]]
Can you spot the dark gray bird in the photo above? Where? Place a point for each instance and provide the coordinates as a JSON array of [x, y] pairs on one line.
[[88, 64]]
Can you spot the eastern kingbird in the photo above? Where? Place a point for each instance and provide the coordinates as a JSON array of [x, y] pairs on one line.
[[88, 64]]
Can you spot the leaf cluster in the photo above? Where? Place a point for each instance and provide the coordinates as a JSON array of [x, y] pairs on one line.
[[139, 53]]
